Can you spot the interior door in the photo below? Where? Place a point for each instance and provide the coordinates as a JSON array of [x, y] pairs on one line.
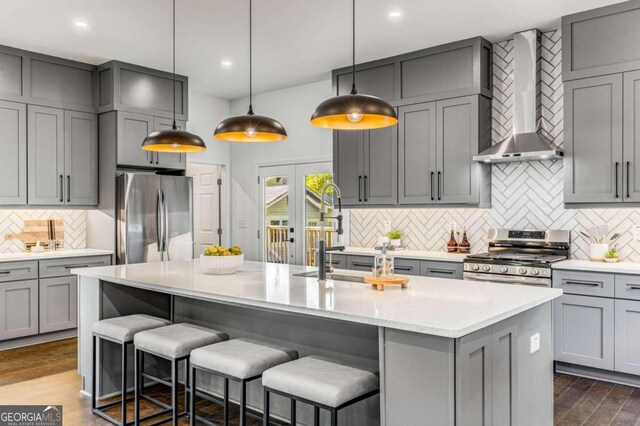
[[278, 232], [207, 211]]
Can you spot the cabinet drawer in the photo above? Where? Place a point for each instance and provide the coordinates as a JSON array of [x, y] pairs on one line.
[[13, 271], [63, 267], [360, 263], [585, 283], [627, 287], [406, 266], [430, 268], [338, 261]]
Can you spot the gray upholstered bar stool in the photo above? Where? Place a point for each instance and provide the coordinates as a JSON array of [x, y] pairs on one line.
[[118, 330], [173, 343], [241, 360], [321, 382]]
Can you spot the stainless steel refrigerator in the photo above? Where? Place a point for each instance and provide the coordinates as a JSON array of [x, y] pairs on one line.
[[155, 218]]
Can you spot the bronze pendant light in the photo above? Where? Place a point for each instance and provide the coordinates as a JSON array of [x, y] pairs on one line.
[[250, 127], [173, 140], [354, 111]]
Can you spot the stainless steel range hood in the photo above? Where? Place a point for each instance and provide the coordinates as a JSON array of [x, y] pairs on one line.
[[527, 142]]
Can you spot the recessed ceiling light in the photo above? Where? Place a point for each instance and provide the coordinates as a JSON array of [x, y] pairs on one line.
[[80, 24], [395, 14], [225, 63]]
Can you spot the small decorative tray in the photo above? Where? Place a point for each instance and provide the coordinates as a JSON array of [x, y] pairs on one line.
[[378, 283]]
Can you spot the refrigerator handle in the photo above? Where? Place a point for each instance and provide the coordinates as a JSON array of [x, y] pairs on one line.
[[159, 224], [165, 232]]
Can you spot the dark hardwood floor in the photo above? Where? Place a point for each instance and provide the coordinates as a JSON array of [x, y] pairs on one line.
[[45, 374]]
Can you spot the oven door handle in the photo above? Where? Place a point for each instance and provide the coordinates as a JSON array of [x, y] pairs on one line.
[[471, 276]]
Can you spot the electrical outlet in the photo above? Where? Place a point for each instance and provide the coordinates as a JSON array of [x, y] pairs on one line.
[[453, 226], [636, 232], [535, 343]]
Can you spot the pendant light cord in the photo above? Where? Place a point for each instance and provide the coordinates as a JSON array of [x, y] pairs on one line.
[[353, 47], [250, 57], [175, 127]]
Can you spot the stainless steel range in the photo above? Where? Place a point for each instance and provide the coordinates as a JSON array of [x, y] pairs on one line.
[[519, 256]]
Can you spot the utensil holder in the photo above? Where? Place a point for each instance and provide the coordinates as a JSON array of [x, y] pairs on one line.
[[598, 252]]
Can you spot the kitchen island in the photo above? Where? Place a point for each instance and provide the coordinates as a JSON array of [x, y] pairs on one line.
[[448, 351]]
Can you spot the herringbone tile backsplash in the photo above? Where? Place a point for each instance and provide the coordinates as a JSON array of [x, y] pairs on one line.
[[524, 195], [12, 221]]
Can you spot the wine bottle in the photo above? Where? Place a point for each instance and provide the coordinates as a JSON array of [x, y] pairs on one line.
[[452, 245], [465, 245]]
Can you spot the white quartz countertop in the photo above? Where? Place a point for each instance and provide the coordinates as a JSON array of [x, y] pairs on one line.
[[408, 254], [436, 306], [591, 266], [16, 257]]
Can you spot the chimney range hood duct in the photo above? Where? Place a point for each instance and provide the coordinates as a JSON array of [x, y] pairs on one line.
[[527, 142]]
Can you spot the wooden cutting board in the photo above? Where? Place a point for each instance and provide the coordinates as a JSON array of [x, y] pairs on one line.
[[38, 230], [379, 283]]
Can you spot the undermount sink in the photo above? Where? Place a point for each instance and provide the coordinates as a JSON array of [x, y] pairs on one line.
[[331, 276]]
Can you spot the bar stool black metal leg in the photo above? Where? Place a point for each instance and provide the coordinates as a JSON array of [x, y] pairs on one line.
[[293, 412], [316, 416], [192, 411], [243, 403], [174, 392], [226, 402], [124, 384], [334, 417], [265, 408], [137, 387], [186, 386], [93, 374]]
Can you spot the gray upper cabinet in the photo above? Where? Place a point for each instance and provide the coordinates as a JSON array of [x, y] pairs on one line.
[[365, 166], [631, 137], [584, 331], [601, 41], [132, 88], [63, 157], [593, 140], [46, 155], [44, 80], [169, 160], [417, 154], [81, 158], [376, 81], [132, 129], [627, 346], [13, 162], [19, 314]]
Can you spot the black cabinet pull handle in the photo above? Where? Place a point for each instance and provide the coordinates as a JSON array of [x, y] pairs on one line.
[[403, 268], [359, 187], [68, 188], [362, 265], [61, 189], [440, 271], [439, 187], [365, 188], [628, 165], [585, 283], [617, 168], [633, 287], [431, 186]]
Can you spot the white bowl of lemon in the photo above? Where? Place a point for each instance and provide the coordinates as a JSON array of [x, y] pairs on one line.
[[218, 260]]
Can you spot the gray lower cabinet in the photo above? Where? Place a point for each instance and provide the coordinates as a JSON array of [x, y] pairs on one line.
[[585, 283], [169, 160], [406, 266], [338, 261], [593, 158], [365, 166], [584, 331], [58, 303], [627, 336], [360, 263], [474, 402], [46, 170], [80, 158], [402, 266], [19, 314], [13, 162], [430, 268], [132, 129]]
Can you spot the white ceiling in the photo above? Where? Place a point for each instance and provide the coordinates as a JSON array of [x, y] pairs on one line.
[[295, 41]]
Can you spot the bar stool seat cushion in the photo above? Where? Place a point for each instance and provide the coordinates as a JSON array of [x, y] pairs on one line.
[[321, 380], [177, 340], [241, 358], [124, 328]]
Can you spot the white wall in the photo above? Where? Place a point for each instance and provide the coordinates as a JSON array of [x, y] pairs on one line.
[[293, 107], [205, 112]]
